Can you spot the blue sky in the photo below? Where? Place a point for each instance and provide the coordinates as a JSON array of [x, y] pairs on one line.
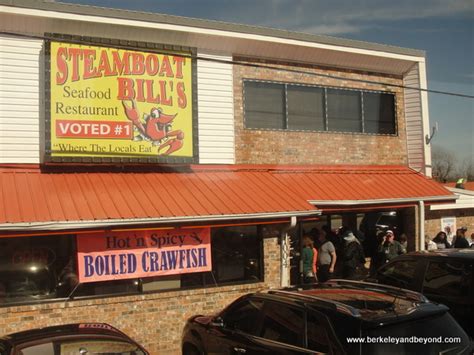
[[443, 28]]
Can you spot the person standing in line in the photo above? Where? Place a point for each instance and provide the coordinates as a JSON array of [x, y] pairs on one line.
[[461, 241], [441, 240], [390, 248], [353, 256], [404, 241], [471, 241], [326, 258], [308, 256]]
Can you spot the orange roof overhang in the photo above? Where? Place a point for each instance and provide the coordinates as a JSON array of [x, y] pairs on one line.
[[69, 198], [364, 188]]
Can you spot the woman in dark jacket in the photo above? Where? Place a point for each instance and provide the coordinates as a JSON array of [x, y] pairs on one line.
[[441, 240], [353, 256]]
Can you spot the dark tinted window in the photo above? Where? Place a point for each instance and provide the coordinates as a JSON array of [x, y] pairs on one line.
[[236, 254], [265, 105], [283, 324], [244, 316], [344, 111], [83, 346], [379, 113], [306, 108], [317, 336], [299, 107], [399, 273], [448, 278]]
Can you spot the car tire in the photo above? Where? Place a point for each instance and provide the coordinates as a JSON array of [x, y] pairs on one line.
[[189, 349]]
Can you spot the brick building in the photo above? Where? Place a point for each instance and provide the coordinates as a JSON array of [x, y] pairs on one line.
[[153, 167]]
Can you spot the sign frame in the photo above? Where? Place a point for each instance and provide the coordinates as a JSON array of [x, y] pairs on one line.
[[125, 159]]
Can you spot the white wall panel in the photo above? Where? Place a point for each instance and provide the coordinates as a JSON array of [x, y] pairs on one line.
[[215, 111], [19, 100], [414, 120]]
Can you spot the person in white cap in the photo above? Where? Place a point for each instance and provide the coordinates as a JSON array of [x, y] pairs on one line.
[[390, 248]]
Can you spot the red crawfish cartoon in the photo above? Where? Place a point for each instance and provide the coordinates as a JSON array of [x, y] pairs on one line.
[[156, 128]]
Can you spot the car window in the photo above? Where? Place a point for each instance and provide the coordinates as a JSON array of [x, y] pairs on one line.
[[83, 346], [399, 273], [244, 316], [448, 278], [38, 349], [283, 324], [318, 339]]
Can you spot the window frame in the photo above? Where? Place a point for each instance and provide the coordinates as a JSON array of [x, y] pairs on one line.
[[325, 110]]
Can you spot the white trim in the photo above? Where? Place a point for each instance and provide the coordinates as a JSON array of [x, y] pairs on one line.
[[465, 200], [380, 201], [65, 225], [202, 31], [425, 118]]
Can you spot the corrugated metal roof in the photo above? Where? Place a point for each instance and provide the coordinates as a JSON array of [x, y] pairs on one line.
[[31, 196], [206, 24], [28, 196], [346, 185]]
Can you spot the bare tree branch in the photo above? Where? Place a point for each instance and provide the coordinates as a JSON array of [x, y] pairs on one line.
[[444, 162]]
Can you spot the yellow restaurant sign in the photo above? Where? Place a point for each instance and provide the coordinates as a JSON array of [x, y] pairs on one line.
[[115, 103]]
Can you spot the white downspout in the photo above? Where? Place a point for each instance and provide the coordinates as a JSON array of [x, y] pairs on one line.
[[421, 221], [285, 250]]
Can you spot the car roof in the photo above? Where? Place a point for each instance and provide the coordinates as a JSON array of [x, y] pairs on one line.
[[63, 330], [465, 253], [371, 303]]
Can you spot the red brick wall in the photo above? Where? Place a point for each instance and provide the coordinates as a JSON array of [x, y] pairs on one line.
[[154, 320], [285, 147], [464, 218]]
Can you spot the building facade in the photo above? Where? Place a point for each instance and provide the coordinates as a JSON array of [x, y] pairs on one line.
[[154, 167]]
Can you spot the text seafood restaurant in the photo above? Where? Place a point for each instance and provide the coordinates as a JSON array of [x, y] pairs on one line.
[[155, 166]]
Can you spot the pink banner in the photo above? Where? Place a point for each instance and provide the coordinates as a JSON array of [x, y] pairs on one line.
[[127, 255]]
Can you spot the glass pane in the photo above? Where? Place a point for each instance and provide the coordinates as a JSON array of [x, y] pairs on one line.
[[243, 316], [399, 273], [264, 105], [39, 349], [283, 324], [317, 336], [344, 111], [306, 108], [30, 267], [236, 254], [103, 347], [379, 113], [448, 279]]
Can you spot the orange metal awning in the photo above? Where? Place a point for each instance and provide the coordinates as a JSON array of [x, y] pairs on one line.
[[34, 200], [369, 187]]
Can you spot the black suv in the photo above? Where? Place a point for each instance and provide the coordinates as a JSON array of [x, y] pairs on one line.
[[444, 276], [337, 317]]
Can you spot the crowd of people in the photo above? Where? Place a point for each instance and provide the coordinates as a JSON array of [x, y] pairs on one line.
[[342, 253], [443, 241]]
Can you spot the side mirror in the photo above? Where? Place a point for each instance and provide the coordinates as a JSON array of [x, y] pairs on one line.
[[217, 322]]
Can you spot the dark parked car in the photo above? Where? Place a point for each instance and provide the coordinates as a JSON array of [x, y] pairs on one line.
[[443, 276], [334, 317], [89, 338]]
